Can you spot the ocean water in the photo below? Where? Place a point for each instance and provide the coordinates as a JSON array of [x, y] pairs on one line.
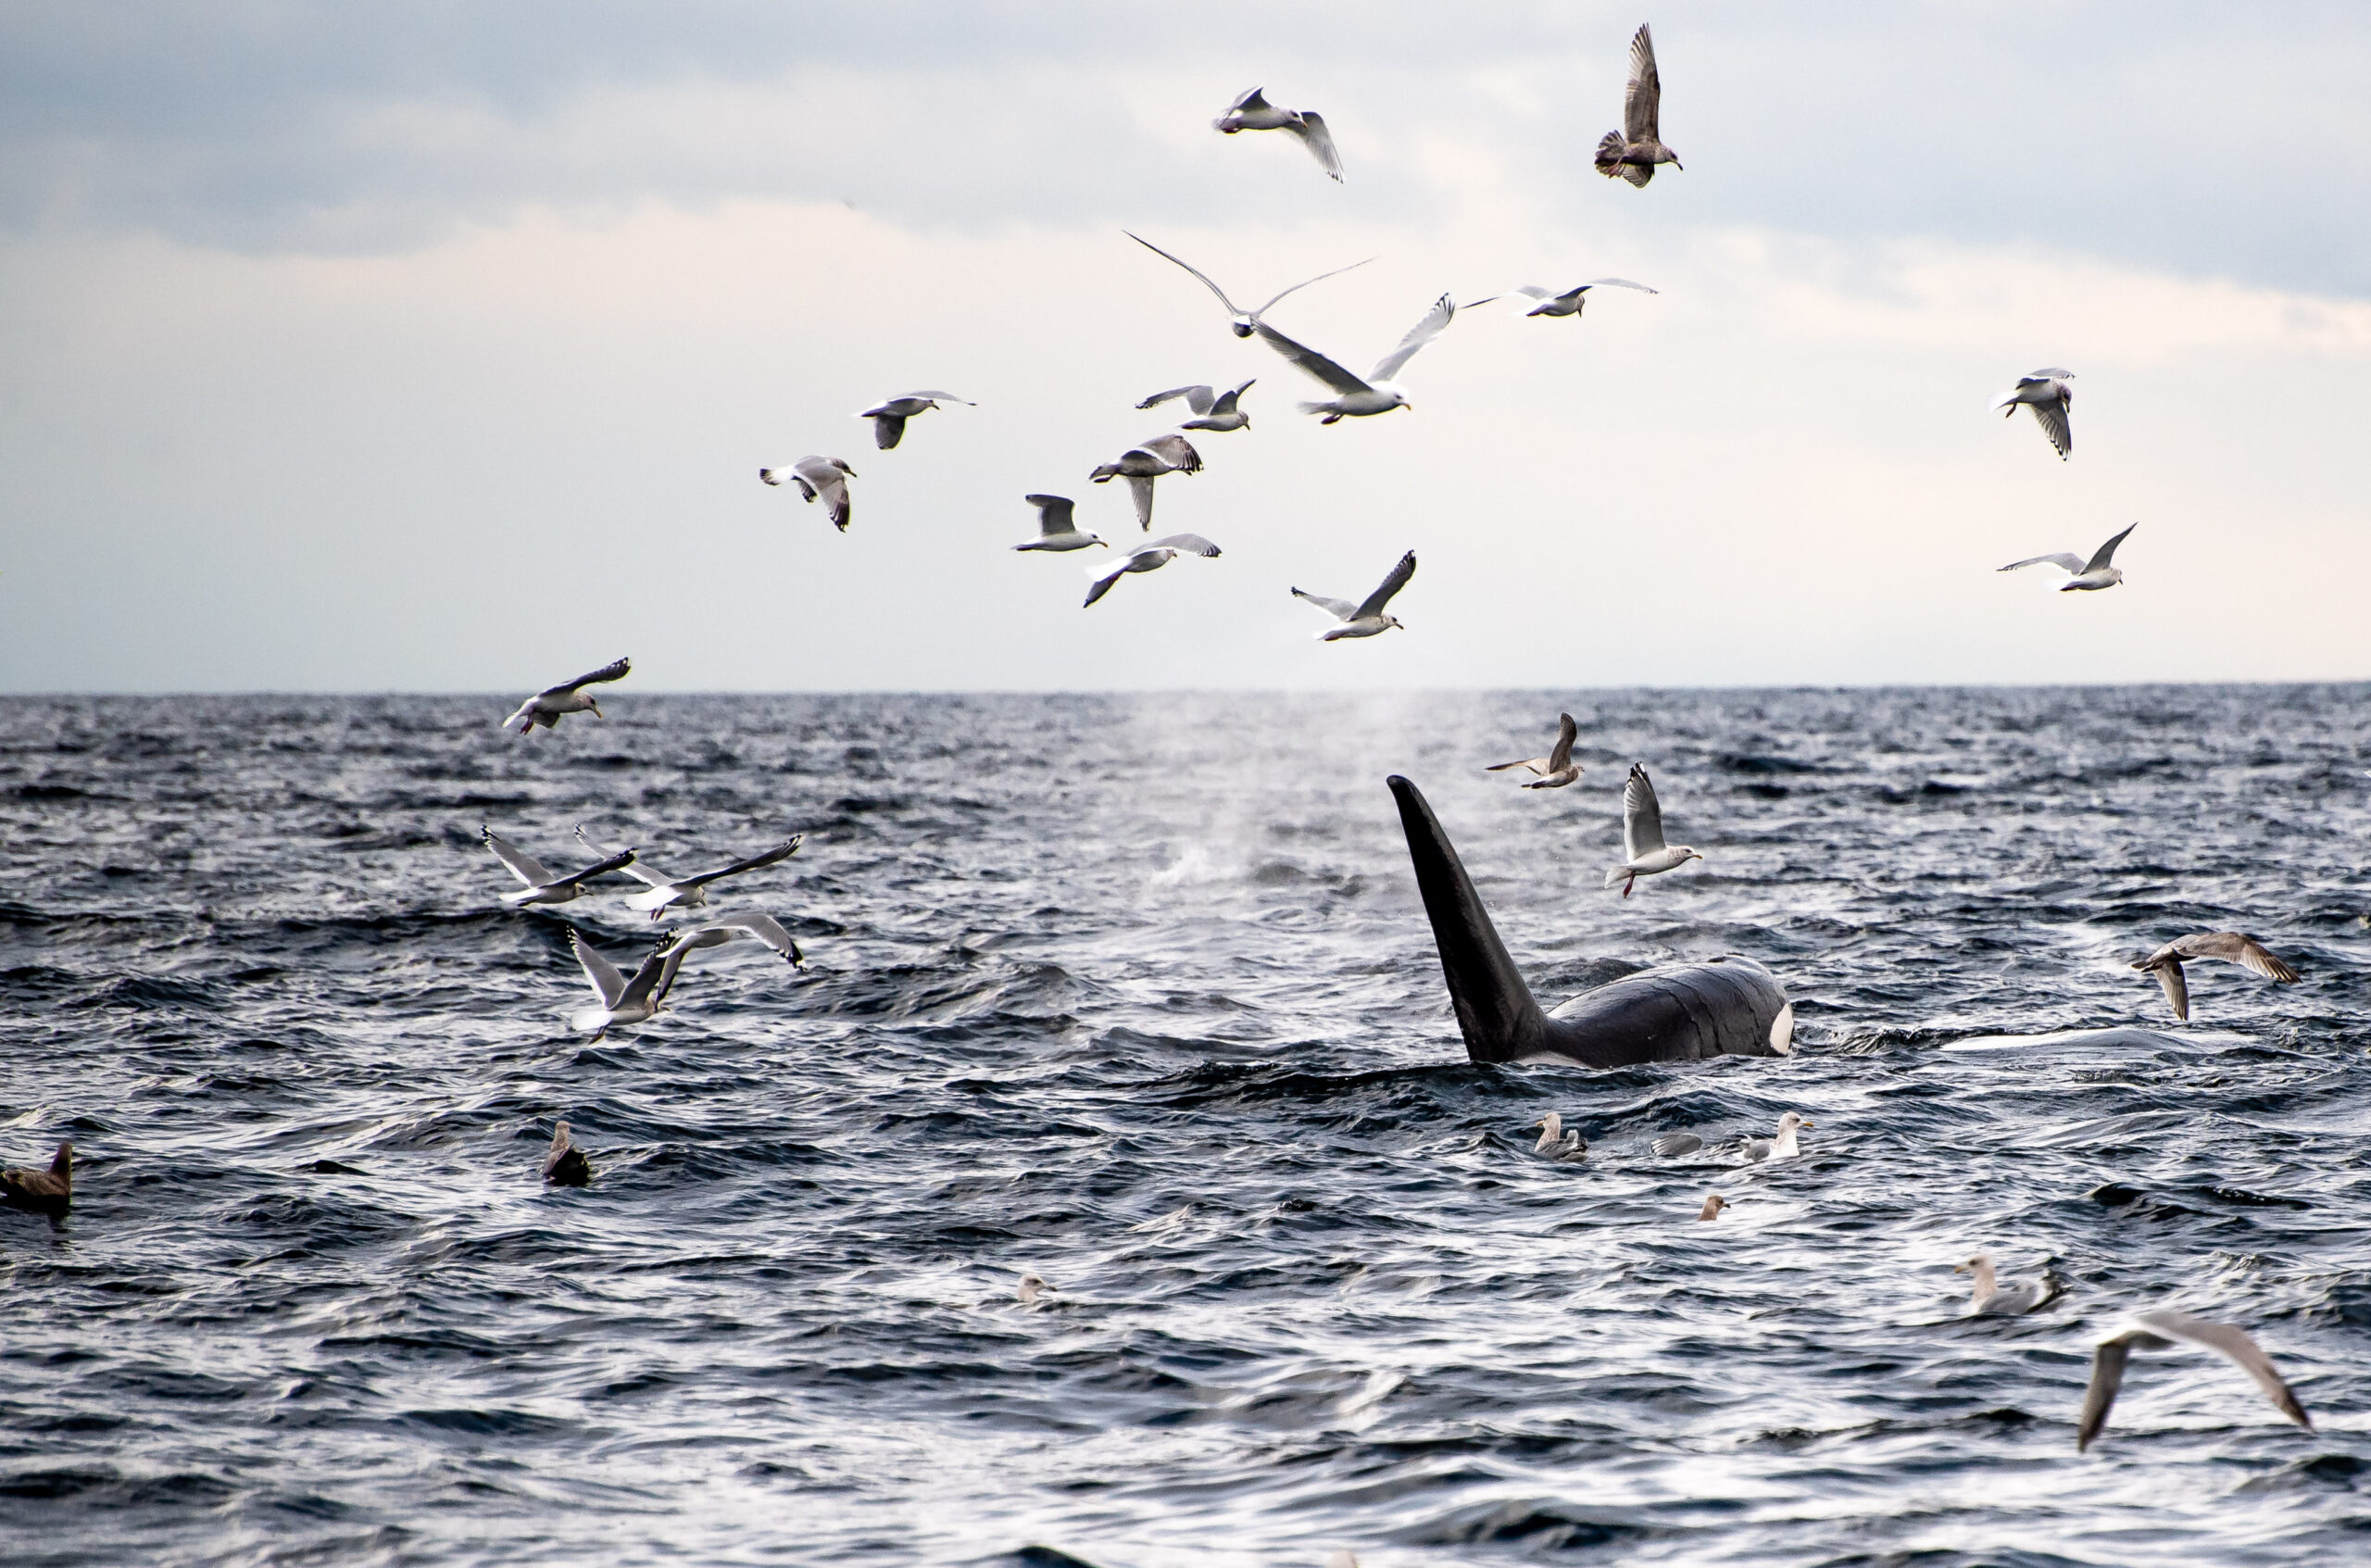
[[1135, 993]]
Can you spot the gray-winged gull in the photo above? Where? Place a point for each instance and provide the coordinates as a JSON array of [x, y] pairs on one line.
[[1141, 464], [621, 1000], [1057, 526], [1375, 393], [2088, 575], [1555, 1142], [2165, 1330], [1212, 410], [889, 414], [1147, 557], [821, 477], [1252, 112], [1642, 835], [2047, 393], [1366, 618], [2231, 945], [1993, 1298], [542, 885], [751, 925], [547, 706], [689, 892], [1547, 302], [1782, 1147], [1243, 322]]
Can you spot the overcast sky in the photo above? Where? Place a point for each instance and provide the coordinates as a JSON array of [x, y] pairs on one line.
[[429, 346]]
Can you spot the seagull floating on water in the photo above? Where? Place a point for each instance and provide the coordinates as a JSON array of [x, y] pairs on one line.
[[1555, 1142], [827, 477], [1149, 557], [1032, 1287], [2165, 1330], [1547, 302], [1243, 322], [542, 887], [547, 706], [1557, 769], [36, 1191], [1252, 112], [2087, 575], [1713, 1204], [1642, 835], [621, 1000], [1212, 410], [1376, 393], [1141, 465], [565, 1165], [1057, 528], [1364, 619], [2015, 1298], [2231, 945], [2047, 393], [1633, 151], [689, 892], [889, 414], [749, 923], [1782, 1147]]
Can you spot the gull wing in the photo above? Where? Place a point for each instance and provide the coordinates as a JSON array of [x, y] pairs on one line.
[[1230, 304], [1398, 579], [1537, 764], [616, 862], [2065, 560], [1225, 402], [1309, 359], [2041, 377], [1319, 141], [1104, 579], [633, 868], [782, 851], [1642, 815], [523, 866], [2106, 552], [1185, 544], [1140, 491], [1054, 514], [1306, 281], [1560, 757], [1423, 333], [2107, 1379], [1617, 282], [2235, 948], [828, 478], [1642, 101], [748, 923], [607, 984], [2168, 971], [2234, 1346], [613, 671], [1249, 100], [1340, 609], [651, 981], [1176, 451], [1197, 398], [2052, 415], [943, 397]]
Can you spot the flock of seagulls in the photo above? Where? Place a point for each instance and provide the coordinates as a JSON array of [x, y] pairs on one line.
[[1633, 152]]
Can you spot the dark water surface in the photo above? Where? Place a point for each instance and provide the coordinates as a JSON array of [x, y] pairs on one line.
[[1135, 993]]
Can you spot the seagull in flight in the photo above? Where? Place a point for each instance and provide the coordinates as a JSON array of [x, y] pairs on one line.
[[1364, 619], [1147, 557], [827, 477], [1212, 411], [1141, 465], [542, 887], [2087, 575], [621, 1000], [1547, 302], [1557, 769], [1242, 320], [1057, 528], [2047, 393], [1376, 393], [889, 414], [2167, 1330], [2232, 945], [1252, 112], [750, 923], [1642, 841], [547, 706], [688, 892], [1633, 151]]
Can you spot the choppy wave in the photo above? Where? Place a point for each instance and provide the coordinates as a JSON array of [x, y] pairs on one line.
[[1137, 995]]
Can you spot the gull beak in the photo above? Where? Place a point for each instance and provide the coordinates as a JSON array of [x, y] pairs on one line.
[[1806, 1124], [1959, 1268]]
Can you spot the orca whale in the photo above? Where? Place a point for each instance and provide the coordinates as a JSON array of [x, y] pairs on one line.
[[1672, 1012]]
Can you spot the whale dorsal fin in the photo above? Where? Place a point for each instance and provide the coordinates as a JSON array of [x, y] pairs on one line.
[[1495, 1009]]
